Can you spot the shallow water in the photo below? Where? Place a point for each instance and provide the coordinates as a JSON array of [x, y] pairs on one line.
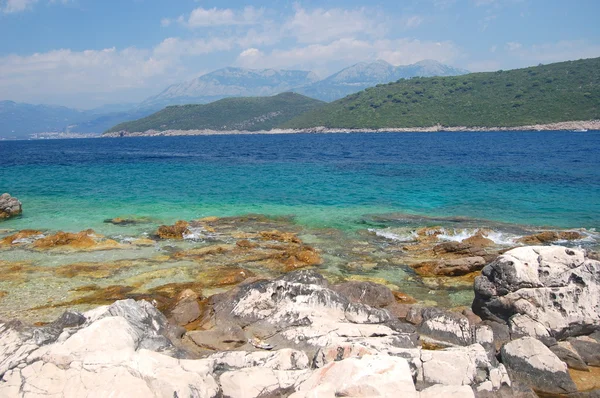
[[357, 198]]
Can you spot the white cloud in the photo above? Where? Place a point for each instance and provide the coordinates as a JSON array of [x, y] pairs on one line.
[[555, 52], [12, 6], [321, 25], [66, 72], [320, 57], [15, 6], [513, 46], [205, 17]]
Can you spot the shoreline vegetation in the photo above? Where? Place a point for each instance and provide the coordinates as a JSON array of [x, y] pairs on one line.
[[560, 96], [590, 125]]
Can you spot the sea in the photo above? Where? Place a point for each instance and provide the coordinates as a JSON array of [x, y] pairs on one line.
[[379, 185]]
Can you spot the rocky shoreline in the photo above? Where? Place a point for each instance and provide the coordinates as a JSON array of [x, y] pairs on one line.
[[560, 126], [535, 331]]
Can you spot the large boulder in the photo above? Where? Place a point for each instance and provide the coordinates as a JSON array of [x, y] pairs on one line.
[[120, 350], [544, 291], [9, 206], [529, 361]]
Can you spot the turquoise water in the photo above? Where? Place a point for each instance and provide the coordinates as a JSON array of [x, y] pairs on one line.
[[356, 198], [326, 180]]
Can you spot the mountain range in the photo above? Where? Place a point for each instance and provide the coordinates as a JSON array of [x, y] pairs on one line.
[[544, 94], [19, 120], [364, 75]]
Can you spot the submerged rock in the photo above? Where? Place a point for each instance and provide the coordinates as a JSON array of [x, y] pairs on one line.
[[549, 237], [23, 237], [9, 206], [124, 221], [175, 231], [545, 291], [85, 240]]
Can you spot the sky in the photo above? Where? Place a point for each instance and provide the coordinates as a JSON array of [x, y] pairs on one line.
[[86, 53]]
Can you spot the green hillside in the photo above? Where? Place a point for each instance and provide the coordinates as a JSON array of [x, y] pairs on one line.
[[558, 92], [248, 113]]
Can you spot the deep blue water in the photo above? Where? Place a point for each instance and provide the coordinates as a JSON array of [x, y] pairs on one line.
[[535, 178]]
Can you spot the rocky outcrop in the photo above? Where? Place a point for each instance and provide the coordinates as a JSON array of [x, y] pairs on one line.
[[548, 292], [545, 237], [175, 231], [530, 361], [9, 206]]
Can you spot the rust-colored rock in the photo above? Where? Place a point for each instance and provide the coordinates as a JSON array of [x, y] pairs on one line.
[[84, 240], [246, 244], [549, 237], [175, 231], [223, 276], [286, 237], [403, 298], [123, 221], [478, 240], [24, 234]]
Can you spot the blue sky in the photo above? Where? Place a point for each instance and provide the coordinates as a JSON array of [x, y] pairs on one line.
[[85, 53]]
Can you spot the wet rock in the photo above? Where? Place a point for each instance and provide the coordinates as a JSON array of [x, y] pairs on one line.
[[554, 286], [531, 362], [85, 241], [353, 377], [450, 267], [459, 248], [22, 237], [246, 244], [125, 221], [9, 206], [368, 293], [549, 237], [175, 231], [224, 276], [286, 237], [479, 240]]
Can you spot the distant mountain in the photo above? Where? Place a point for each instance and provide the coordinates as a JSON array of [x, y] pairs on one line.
[[239, 113], [560, 92], [18, 120], [363, 75], [231, 82]]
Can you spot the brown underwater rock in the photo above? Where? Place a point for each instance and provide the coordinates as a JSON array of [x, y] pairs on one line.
[[175, 231], [23, 234], [286, 237], [549, 237], [84, 240]]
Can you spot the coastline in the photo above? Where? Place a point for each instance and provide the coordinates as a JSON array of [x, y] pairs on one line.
[[559, 126]]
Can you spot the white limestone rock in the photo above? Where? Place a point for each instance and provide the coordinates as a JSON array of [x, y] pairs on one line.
[[439, 391], [456, 366], [369, 376], [554, 286]]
